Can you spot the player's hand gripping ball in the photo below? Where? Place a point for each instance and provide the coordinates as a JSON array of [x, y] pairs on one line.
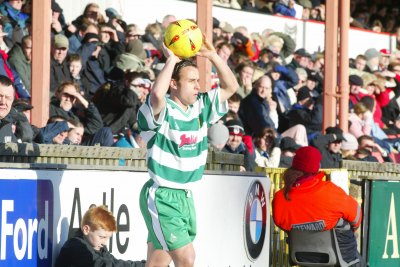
[[183, 38]]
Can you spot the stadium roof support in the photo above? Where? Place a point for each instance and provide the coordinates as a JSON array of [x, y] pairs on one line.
[[336, 55], [204, 21], [40, 87]]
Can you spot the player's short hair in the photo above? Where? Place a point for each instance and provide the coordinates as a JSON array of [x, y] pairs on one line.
[[99, 218], [176, 74]]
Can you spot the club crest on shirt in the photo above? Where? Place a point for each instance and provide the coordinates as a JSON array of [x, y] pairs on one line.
[[188, 142]]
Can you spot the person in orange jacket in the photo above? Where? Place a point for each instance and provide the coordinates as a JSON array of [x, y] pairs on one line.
[[306, 202]]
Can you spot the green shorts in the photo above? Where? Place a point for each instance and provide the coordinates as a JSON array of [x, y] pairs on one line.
[[169, 214]]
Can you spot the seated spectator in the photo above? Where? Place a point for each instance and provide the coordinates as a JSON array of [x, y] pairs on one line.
[[75, 134], [110, 41], [360, 62], [133, 58], [267, 149], [258, 110], [308, 202], [369, 151], [218, 135], [236, 146], [12, 10], [227, 3], [306, 112], [93, 69], [69, 104], [356, 92], [285, 7], [55, 132], [6, 43], [118, 102], [373, 56], [360, 120], [245, 72], [22, 128], [234, 102], [329, 146], [91, 14], [288, 149], [89, 245], [20, 57], [59, 71], [6, 122], [349, 147], [75, 68], [300, 59]]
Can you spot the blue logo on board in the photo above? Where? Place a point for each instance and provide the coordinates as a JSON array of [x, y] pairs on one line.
[[255, 220], [26, 223]]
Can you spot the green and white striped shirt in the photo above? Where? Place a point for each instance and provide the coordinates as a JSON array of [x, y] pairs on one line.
[[177, 142]]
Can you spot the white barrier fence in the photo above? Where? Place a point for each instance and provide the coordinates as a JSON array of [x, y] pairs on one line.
[[307, 34], [40, 208]]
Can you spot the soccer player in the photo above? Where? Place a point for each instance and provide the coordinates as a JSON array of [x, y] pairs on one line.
[[175, 128]]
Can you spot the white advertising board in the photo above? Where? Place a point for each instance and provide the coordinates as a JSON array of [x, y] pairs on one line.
[[39, 208]]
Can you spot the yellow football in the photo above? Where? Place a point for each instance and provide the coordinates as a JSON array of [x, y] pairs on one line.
[[183, 38]]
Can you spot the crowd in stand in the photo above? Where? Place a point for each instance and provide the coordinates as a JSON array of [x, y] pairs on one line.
[[102, 69]]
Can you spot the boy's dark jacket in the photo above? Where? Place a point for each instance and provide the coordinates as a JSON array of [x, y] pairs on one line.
[[77, 252]]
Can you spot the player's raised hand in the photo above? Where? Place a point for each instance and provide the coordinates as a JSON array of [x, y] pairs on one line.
[[168, 53], [207, 49]]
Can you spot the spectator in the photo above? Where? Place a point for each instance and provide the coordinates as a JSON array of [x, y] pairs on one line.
[[20, 57], [236, 146], [360, 62], [300, 59], [55, 132], [91, 14], [267, 152], [75, 134], [6, 100], [307, 112], [227, 3], [349, 147], [373, 56], [329, 145], [356, 93], [308, 202], [11, 9], [93, 71], [245, 72], [218, 135], [6, 43], [288, 148], [234, 102], [360, 120], [133, 57], [258, 110], [88, 246], [285, 7], [110, 42], [75, 68], [368, 150], [118, 103], [133, 32], [69, 104], [57, 19], [59, 71]]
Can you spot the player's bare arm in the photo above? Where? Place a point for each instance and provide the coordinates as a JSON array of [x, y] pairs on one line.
[[161, 84], [228, 82]]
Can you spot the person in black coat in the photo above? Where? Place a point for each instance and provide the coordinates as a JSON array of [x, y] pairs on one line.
[[88, 247], [306, 112], [235, 144], [256, 109], [71, 105], [329, 145]]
